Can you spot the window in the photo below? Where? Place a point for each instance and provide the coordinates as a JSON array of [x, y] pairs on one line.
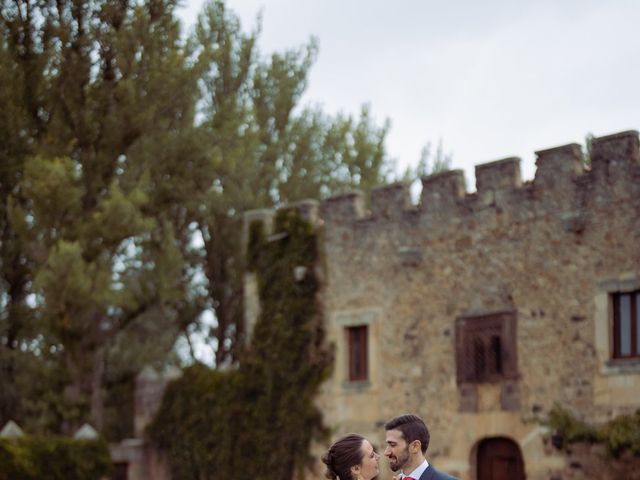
[[357, 342], [486, 348], [626, 325], [357, 349]]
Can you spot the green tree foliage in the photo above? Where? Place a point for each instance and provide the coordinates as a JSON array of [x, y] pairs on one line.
[[429, 162], [268, 151], [128, 154], [90, 84], [259, 419], [18, 122]]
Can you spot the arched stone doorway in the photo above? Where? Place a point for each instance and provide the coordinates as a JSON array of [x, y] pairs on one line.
[[499, 459]]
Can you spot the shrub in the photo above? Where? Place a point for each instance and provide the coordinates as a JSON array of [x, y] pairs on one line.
[[569, 429], [195, 424], [620, 434], [54, 458]]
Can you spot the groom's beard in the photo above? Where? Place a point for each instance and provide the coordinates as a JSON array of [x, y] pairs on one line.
[[398, 462]]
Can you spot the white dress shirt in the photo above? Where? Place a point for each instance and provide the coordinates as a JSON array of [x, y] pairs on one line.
[[418, 471]]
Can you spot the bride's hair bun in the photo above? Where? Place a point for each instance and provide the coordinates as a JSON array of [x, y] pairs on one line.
[[330, 473], [342, 455]]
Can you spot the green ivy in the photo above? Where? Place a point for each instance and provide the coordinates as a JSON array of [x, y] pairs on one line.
[[620, 434], [261, 418], [195, 424], [35, 458]]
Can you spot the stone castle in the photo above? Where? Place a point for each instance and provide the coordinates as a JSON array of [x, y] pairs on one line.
[[480, 311]]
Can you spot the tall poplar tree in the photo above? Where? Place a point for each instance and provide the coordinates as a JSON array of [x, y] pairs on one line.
[[94, 82], [269, 150]]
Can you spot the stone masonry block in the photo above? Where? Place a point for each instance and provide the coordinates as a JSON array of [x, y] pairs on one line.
[[499, 175], [390, 200], [442, 189], [614, 148], [343, 208], [565, 159]]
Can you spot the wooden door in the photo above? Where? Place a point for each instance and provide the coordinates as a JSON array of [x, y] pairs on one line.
[[499, 459], [120, 471]]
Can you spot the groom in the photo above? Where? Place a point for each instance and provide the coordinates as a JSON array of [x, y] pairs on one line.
[[407, 442]]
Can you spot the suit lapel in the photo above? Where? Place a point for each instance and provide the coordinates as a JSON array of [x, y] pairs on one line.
[[428, 474]]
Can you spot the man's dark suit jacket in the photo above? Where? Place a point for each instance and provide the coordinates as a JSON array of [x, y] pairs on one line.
[[432, 474]]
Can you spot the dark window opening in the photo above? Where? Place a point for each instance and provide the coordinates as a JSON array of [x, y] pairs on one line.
[[357, 344], [496, 353], [478, 358], [626, 325], [486, 348]]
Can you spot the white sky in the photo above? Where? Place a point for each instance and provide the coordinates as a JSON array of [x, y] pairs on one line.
[[492, 78]]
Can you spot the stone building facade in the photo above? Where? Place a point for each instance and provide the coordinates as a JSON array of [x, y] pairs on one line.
[[479, 311]]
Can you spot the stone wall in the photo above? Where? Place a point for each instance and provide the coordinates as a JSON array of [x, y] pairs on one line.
[[551, 251], [134, 458]]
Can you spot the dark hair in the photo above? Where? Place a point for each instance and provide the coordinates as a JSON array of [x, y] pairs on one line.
[[412, 428], [342, 455]]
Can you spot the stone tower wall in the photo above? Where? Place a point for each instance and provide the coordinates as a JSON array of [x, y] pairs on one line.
[[550, 251]]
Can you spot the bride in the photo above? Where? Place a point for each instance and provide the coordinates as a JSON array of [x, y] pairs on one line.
[[352, 457]]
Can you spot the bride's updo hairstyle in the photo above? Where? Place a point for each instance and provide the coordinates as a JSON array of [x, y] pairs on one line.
[[342, 455]]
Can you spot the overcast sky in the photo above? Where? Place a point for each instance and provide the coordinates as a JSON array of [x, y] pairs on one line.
[[492, 78]]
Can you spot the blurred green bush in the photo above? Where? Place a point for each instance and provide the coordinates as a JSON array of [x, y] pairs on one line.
[[54, 458], [618, 435]]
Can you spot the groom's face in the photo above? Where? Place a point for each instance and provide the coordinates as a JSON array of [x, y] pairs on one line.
[[397, 450]]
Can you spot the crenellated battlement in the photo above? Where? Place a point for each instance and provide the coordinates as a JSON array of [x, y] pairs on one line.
[[390, 200], [442, 187], [498, 175], [561, 186], [561, 182], [618, 147]]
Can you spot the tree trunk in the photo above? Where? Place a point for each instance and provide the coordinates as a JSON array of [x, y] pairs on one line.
[[96, 413], [84, 394]]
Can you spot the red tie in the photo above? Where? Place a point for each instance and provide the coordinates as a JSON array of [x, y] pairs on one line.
[[409, 478]]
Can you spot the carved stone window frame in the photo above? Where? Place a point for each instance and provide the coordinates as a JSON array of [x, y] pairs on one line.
[[472, 327], [468, 327]]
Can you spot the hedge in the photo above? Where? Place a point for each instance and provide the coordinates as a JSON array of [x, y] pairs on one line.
[[54, 458]]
